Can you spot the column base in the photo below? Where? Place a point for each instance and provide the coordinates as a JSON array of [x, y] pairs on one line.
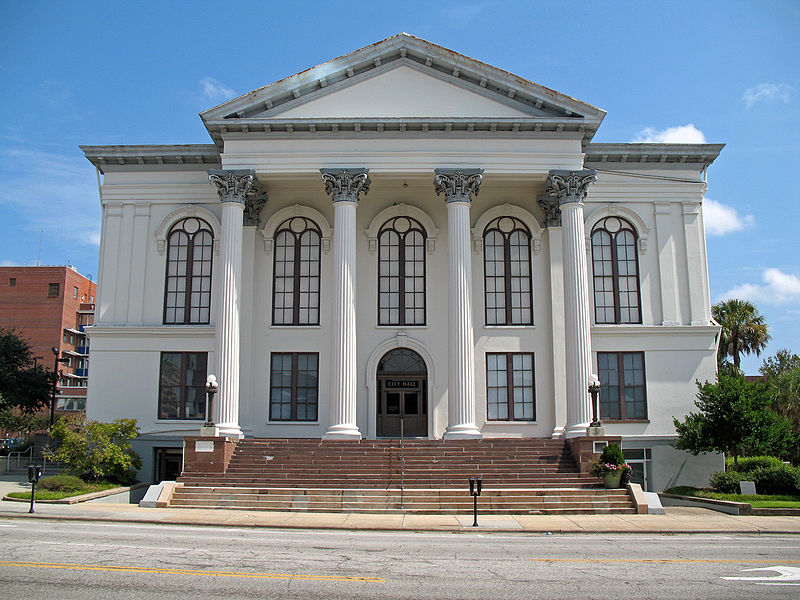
[[558, 433], [464, 431], [229, 430], [576, 430], [346, 431]]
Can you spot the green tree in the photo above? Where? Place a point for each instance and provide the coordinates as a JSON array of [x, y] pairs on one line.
[[782, 361], [735, 418], [14, 421], [782, 372], [93, 450], [743, 330], [23, 384]]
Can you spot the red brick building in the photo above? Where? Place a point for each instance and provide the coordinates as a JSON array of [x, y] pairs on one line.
[[50, 306]]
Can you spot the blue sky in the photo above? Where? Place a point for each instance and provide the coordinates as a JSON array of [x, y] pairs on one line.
[[139, 73]]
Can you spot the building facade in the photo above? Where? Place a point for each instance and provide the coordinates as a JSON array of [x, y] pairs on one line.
[[404, 241], [51, 307]]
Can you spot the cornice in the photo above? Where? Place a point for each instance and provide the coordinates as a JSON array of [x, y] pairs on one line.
[[153, 157], [650, 155], [171, 331]]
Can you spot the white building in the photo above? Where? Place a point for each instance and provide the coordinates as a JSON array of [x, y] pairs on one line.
[[404, 235]]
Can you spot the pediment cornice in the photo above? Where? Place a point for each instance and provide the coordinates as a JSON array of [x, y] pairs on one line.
[[542, 109]]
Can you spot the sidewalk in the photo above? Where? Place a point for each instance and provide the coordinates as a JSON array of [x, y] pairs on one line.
[[677, 520]]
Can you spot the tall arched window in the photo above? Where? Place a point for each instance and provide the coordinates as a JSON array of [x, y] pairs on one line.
[[616, 272], [187, 293], [507, 272], [295, 285], [401, 272]]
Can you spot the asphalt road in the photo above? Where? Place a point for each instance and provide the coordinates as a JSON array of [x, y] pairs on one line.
[[65, 560]]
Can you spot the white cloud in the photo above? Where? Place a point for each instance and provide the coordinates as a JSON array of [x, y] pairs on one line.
[[720, 219], [767, 92], [216, 90], [52, 194], [778, 288], [682, 134]]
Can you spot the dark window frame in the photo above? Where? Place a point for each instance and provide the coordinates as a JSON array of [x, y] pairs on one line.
[[293, 387], [600, 227], [12, 282], [509, 356], [189, 276], [53, 290], [402, 275], [285, 227], [182, 387], [622, 386], [508, 293]]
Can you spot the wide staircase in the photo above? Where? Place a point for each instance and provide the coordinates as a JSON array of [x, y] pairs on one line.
[[520, 476]]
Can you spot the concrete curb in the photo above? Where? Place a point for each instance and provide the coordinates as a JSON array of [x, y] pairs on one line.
[[82, 497]]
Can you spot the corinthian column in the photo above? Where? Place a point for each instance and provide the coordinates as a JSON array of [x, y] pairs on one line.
[[458, 187], [344, 187], [232, 187], [569, 189]]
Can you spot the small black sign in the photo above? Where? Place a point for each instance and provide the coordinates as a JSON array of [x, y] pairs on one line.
[[391, 384]]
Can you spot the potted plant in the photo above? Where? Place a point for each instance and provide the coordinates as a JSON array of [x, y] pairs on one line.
[[611, 467]]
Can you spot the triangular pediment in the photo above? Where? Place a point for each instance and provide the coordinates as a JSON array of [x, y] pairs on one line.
[[401, 91], [403, 79]]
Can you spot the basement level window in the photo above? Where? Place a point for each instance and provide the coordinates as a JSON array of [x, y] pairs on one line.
[[52, 290], [75, 292], [12, 281]]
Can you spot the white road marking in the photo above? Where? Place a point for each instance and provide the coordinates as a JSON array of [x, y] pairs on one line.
[[788, 576]]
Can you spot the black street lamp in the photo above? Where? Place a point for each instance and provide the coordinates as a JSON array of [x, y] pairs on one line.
[[211, 388], [56, 375], [594, 391]]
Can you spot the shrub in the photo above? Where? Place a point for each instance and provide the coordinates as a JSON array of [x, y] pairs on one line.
[[782, 479], [62, 483], [726, 482], [752, 463], [94, 450], [612, 454]]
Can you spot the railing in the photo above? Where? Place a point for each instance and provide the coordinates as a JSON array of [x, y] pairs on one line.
[[402, 463], [16, 458]]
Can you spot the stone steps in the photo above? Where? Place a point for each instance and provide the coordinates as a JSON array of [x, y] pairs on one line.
[[520, 476]]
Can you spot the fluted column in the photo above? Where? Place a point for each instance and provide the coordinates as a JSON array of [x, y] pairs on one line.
[[344, 187], [569, 189], [232, 187], [458, 187]]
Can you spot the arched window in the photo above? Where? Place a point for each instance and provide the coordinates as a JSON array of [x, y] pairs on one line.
[[507, 272], [616, 272], [187, 293], [295, 285], [401, 272]]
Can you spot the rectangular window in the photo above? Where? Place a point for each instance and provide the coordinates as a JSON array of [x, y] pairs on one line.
[[293, 386], [510, 390], [75, 292], [622, 388], [182, 381], [52, 290], [12, 281]]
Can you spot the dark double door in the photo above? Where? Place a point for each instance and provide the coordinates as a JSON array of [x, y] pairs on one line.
[[402, 407]]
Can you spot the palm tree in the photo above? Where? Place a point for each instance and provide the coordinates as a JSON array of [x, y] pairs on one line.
[[743, 329]]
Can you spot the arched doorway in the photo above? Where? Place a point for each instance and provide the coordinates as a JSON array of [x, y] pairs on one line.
[[402, 402]]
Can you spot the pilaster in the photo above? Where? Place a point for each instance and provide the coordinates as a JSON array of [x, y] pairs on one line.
[[569, 188], [668, 277], [344, 187], [232, 187], [459, 187]]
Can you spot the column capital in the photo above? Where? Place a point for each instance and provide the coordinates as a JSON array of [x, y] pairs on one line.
[[232, 185], [552, 214], [345, 185], [458, 185], [569, 186]]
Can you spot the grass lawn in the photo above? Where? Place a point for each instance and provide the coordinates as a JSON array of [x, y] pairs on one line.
[[52, 495], [757, 501]]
